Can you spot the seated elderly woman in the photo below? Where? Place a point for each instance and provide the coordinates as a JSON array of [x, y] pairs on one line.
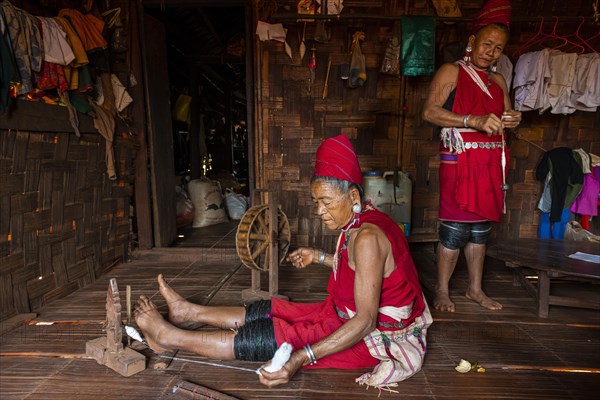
[[375, 314]]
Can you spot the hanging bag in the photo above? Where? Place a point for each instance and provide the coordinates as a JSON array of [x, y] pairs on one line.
[[576, 233], [358, 70], [391, 60]]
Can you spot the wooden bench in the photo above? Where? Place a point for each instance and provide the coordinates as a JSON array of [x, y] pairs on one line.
[[549, 259]]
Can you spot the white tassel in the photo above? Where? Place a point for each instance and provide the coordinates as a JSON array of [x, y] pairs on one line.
[[453, 140]]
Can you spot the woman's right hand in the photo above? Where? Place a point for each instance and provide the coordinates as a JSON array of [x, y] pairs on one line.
[[490, 124], [302, 256]]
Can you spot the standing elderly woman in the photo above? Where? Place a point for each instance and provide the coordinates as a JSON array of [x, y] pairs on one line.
[[470, 102], [375, 314]]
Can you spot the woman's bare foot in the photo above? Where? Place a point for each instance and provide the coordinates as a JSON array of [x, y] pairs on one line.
[[442, 302], [179, 308], [483, 300], [152, 324]]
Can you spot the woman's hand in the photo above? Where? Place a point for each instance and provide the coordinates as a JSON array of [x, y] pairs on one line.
[[272, 379], [511, 119], [303, 256], [490, 124]]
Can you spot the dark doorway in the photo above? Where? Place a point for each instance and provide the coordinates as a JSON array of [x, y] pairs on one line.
[[206, 55], [209, 61]]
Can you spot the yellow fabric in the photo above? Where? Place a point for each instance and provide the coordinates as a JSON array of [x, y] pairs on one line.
[[81, 57], [88, 27], [447, 8]]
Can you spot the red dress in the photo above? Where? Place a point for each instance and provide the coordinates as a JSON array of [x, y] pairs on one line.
[[470, 182], [301, 323]]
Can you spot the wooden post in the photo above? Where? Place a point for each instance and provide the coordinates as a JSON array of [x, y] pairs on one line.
[[255, 292], [273, 245], [128, 297]]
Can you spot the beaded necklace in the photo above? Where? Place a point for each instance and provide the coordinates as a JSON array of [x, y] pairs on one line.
[[346, 233]]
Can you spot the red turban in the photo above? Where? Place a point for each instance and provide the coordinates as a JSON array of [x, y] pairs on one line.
[[494, 11], [336, 159]]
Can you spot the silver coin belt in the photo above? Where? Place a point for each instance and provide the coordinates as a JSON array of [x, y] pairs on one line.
[[483, 145]]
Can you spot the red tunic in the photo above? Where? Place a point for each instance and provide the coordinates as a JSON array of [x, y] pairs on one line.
[[301, 323], [470, 187]]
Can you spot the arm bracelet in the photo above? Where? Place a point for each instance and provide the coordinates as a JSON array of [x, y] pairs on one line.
[[466, 120], [322, 257], [311, 356]]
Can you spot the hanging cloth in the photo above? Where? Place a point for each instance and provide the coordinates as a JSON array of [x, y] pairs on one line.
[[566, 181], [88, 27], [531, 81], [105, 124], [26, 42], [56, 48], [447, 8], [8, 67], [418, 45]]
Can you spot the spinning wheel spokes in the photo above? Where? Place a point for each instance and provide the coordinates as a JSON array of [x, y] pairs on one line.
[[254, 237]]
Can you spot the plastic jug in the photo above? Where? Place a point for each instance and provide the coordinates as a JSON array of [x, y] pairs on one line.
[[376, 188]]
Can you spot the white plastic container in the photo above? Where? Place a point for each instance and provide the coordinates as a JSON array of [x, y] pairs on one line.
[[394, 201], [376, 188]]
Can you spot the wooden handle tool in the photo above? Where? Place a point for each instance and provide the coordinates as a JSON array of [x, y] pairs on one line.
[[326, 87]]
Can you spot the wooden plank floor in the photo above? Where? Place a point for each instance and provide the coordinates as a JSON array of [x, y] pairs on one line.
[[525, 357]]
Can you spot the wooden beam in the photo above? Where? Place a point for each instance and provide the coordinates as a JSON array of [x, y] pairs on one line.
[[188, 390], [193, 3]]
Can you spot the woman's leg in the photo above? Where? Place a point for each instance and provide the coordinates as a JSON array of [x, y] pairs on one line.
[[475, 255], [446, 262], [182, 311], [162, 335]]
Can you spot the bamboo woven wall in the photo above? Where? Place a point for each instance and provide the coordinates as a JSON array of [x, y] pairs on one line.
[[62, 222], [292, 123]]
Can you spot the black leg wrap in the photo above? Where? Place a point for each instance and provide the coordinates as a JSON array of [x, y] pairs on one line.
[[260, 309], [255, 341]]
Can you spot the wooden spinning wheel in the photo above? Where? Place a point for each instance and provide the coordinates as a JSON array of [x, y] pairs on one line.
[[254, 236]]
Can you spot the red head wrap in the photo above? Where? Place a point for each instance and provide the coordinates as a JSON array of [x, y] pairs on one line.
[[336, 159], [494, 11]]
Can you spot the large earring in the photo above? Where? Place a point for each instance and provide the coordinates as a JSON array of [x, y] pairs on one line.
[[467, 56], [356, 208], [495, 66]]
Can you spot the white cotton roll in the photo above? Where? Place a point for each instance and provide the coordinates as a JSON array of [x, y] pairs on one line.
[[282, 355]]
